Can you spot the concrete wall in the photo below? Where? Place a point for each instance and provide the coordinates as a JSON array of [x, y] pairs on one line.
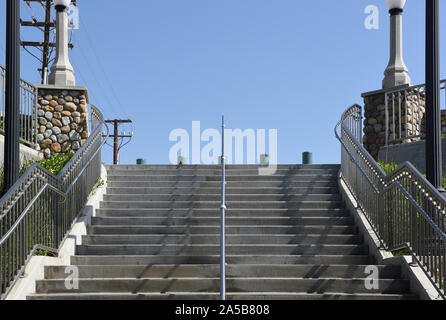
[[414, 153], [419, 282], [26, 153]]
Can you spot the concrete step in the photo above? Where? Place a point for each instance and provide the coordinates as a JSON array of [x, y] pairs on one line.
[[257, 221], [229, 191], [218, 167], [215, 230], [194, 296], [217, 172], [229, 204], [251, 178], [217, 197], [231, 239], [216, 184], [232, 271], [283, 285], [171, 249], [265, 259], [213, 213]]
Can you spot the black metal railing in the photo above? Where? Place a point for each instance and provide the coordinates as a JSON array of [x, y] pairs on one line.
[[28, 110], [404, 209], [40, 209]]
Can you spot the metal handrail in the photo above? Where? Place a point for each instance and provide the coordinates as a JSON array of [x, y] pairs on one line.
[[31, 215], [223, 218], [403, 208], [28, 109], [396, 130]]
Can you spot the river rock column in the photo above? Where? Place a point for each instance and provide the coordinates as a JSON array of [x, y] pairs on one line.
[[375, 129], [62, 120]]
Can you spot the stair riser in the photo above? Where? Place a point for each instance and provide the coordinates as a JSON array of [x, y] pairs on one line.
[[216, 221], [232, 285], [213, 271], [235, 239], [217, 172], [217, 191], [215, 250], [168, 213], [265, 230], [229, 297], [193, 185], [262, 259], [252, 179], [217, 197], [218, 167], [216, 205]]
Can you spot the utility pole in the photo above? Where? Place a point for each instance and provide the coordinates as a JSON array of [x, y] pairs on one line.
[[433, 116], [12, 134], [47, 26], [116, 136]]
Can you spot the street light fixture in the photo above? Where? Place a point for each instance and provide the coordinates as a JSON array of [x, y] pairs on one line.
[[396, 73], [433, 114], [62, 73]]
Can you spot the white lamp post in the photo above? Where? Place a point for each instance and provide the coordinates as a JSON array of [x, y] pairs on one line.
[[62, 73], [396, 73]]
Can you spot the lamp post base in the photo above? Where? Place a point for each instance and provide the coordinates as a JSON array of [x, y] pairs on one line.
[[395, 79], [61, 76]]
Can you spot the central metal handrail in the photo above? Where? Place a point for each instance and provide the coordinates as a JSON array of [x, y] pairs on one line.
[[403, 208], [223, 218], [32, 215]]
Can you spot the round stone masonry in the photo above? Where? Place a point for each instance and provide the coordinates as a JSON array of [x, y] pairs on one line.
[[405, 120], [62, 118]]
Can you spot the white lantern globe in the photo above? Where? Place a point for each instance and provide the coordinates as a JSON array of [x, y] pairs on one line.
[[396, 4], [62, 3]]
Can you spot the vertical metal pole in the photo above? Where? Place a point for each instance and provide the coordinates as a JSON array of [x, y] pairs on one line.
[[12, 141], [433, 116], [116, 143], [223, 208]]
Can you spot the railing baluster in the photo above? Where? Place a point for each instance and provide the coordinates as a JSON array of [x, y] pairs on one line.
[[403, 208]]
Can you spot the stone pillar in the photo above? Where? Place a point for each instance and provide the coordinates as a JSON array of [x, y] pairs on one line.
[[396, 73], [62, 73], [375, 119], [62, 118]]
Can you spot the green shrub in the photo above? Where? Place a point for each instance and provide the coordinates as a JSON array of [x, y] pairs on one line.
[[53, 165], [56, 163], [388, 167]]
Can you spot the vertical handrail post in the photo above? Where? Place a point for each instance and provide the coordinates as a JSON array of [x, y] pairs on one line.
[[222, 211]]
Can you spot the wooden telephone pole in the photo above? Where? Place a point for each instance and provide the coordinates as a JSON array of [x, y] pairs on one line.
[[116, 136], [48, 25]]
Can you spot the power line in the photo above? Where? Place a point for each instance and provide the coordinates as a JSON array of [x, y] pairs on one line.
[[93, 73], [84, 27]]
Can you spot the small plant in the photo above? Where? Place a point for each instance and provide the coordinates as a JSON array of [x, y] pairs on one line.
[[56, 163], [388, 167], [99, 184]]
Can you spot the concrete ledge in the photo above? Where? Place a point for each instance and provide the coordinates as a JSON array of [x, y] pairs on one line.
[[26, 153], [35, 269], [419, 282]]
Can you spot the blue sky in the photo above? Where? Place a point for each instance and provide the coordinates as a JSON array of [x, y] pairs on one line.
[[289, 65]]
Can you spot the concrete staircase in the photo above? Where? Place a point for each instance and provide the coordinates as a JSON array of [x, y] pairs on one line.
[[156, 236]]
